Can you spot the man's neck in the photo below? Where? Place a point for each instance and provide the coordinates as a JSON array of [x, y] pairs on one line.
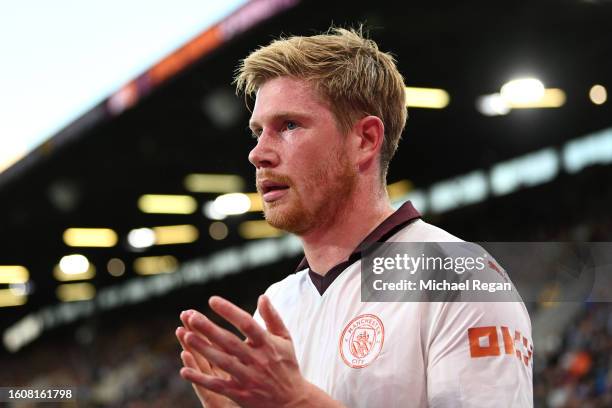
[[334, 242]]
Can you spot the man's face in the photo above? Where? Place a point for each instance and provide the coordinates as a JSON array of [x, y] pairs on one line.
[[304, 174]]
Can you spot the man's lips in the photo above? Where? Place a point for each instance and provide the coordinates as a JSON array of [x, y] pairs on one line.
[[272, 190]]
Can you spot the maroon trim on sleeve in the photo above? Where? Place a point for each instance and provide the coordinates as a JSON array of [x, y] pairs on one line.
[[395, 222]]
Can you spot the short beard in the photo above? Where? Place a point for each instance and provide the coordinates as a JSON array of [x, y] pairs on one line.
[[337, 180]]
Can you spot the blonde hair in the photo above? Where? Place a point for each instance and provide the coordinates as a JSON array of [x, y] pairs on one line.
[[348, 70]]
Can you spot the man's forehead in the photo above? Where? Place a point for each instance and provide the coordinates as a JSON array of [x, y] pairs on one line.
[[283, 97]]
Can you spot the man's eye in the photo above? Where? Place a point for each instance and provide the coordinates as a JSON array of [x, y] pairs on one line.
[[291, 125], [255, 134]]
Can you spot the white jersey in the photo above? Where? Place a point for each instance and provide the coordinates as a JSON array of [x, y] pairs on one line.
[[405, 354]]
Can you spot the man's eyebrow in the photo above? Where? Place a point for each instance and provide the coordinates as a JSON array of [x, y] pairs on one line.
[[280, 116]]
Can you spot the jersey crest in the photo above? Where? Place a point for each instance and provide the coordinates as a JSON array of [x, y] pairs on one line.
[[361, 340]]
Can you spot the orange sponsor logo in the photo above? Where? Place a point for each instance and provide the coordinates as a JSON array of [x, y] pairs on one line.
[[361, 340], [485, 342]]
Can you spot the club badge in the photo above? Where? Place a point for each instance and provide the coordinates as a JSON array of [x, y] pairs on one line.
[[361, 340]]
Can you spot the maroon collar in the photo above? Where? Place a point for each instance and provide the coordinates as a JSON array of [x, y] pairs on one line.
[[395, 222]]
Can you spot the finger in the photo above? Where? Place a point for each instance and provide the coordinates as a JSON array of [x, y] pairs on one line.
[[180, 335], [274, 323], [242, 320], [189, 360], [210, 382], [220, 338], [185, 319], [185, 315], [228, 363], [201, 362]]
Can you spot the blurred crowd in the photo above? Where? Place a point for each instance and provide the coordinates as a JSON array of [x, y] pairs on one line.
[[578, 374], [132, 365]]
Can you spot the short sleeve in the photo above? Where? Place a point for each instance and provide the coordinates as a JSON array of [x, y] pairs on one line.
[[480, 355]]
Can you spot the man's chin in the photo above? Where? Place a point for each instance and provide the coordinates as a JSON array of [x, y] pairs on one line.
[[286, 219]]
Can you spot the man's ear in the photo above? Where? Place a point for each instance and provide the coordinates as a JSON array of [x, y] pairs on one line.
[[370, 133]]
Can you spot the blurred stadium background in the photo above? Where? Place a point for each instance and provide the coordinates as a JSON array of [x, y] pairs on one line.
[[122, 148]]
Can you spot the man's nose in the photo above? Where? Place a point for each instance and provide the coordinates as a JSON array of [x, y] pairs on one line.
[[265, 153]]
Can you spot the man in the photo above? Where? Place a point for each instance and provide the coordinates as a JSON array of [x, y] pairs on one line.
[[328, 115]]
